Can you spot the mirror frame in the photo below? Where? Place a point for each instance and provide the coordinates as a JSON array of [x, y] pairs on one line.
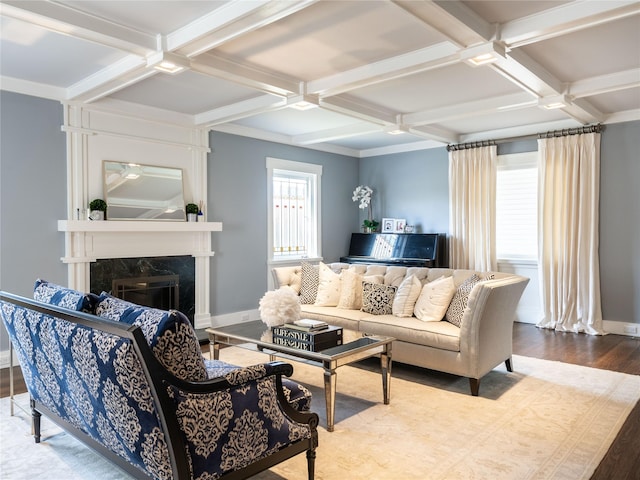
[[149, 181]]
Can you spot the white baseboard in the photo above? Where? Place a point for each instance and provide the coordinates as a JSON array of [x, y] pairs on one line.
[[616, 328], [232, 318], [622, 328]]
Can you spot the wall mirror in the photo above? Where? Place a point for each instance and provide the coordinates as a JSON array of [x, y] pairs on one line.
[[143, 192]]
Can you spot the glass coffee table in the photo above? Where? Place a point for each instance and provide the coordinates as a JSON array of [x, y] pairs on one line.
[[356, 346]]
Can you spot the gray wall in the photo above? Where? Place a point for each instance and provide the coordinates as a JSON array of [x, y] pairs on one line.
[[620, 222], [411, 185], [33, 194], [237, 197]]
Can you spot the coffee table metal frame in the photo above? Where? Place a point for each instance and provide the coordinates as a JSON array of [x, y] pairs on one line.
[[356, 347]]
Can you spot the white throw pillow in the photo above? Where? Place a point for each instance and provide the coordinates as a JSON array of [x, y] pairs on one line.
[[434, 299], [328, 287], [351, 290], [406, 296]]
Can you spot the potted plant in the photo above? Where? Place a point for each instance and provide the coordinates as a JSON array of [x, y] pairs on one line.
[[363, 194], [97, 209], [192, 212], [370, 226]]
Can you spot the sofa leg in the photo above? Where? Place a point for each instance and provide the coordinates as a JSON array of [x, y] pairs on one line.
[[474, 383], [35, 421], [508, 364], [311, 463]]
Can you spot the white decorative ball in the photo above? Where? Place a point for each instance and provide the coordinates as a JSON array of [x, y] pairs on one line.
[[278, 307]]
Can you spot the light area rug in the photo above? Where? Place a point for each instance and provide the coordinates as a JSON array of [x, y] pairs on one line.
[[545, 420]]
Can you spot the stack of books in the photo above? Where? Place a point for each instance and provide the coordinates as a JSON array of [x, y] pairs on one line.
[[308, 335]]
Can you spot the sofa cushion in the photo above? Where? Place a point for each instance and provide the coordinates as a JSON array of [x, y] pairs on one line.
[[377, 299], [169, 334], [340, 317], [329, 284], [406, 296], [434, 299], [60, 296], [310, 276], [441, 335]]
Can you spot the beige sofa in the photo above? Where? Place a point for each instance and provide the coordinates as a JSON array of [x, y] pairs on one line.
[[481, 342]]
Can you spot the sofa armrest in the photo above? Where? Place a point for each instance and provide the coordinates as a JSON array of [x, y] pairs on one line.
[[486, 331], [234, 422]]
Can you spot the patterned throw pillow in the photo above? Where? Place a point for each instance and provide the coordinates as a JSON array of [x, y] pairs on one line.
[[57, 295], [461, 297], [377, 299], [309, 284], [169, 334]]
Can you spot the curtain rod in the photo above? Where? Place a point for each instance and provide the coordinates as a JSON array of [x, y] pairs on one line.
[[550, 134]]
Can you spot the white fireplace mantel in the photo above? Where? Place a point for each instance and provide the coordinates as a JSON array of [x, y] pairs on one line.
[[88, 241]]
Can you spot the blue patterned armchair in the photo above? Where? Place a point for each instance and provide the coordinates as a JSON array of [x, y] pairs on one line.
[[132, 384]]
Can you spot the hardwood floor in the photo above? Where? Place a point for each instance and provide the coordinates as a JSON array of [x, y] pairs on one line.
[[609, 352]]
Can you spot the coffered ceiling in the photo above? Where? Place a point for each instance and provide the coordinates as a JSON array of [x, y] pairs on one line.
[[382, 76]]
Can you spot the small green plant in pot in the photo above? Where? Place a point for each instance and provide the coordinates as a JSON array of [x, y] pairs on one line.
[[97, 209], [192, 212]]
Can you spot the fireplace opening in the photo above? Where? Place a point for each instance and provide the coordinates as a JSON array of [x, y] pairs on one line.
[[161, 291], [149, 281]]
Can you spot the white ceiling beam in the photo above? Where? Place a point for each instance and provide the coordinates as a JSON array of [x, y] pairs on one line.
[[238, 110], [66, 20], [356, 109], [583, 112], [116, 76], [337, 133], [34, 89], [435, 133], [435, 56], [611, 82], [527, 74], [219, 67], [563, 19], [231, 20], [470, 109]]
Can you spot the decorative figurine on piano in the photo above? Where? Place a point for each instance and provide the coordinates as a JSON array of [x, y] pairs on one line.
[[364, 194]]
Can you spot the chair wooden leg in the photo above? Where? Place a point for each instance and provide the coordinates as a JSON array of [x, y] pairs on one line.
[[474, 383], [311, 463], [508, 364], [35, 421]]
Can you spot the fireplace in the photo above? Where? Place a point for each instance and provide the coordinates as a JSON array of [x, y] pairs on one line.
[[162, 291], [96, 251], [159, 282]]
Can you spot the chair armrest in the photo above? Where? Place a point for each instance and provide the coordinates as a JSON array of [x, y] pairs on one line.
[[231, 422]]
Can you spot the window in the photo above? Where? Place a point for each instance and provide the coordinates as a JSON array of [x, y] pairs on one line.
[[517, 206], [294, 209]]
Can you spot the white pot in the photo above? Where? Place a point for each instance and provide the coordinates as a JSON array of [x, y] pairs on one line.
[[96, 215], [192, 217]]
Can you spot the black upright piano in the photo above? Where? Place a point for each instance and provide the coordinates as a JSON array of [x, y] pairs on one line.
[[402, 249]]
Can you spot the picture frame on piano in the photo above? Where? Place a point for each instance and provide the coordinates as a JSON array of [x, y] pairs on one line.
[[399, 225], [388, 225]]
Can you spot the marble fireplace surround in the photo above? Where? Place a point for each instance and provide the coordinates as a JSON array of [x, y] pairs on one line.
[[87, 241]]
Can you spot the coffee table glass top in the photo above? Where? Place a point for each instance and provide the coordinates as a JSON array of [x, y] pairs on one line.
[[257, 333]]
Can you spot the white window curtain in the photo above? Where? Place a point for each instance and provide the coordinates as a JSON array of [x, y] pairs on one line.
[[472, 208], [569, 190]]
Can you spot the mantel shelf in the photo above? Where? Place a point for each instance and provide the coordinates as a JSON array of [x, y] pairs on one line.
[[109, 226]]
